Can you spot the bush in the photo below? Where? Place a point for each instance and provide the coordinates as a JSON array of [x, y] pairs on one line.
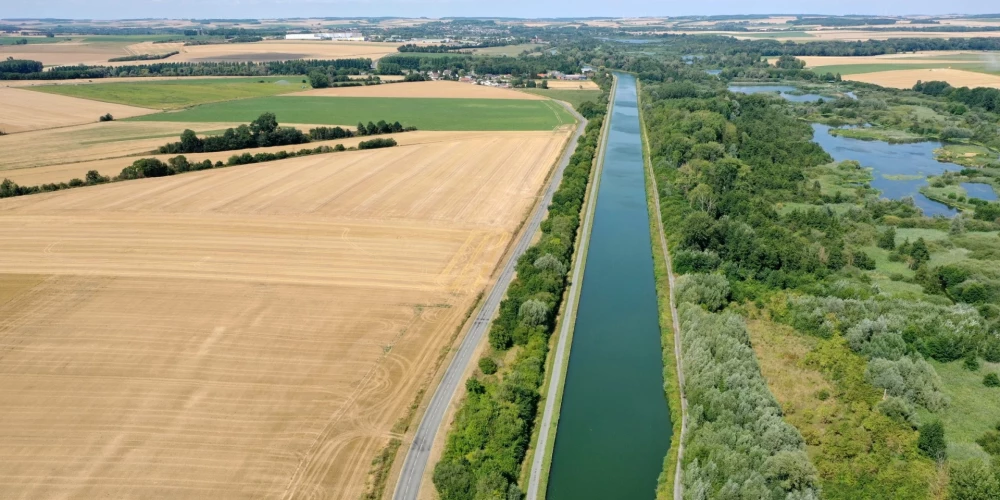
[[385, 142], [319, 80], [487, 366], [990, 442], [972, 480], [708, 290], [931, 440], [912, 380], [971, 363], [106, 118], [991, 380], [899, 410]]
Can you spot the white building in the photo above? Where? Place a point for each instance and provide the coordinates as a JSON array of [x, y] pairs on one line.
[[345, 36]]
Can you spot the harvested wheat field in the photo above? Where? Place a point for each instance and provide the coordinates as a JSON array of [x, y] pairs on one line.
[[250, 332], [572, 85], [439, 89], [92, 141], [67, 169], [820, 61], [904, 79], [25, 110], [65, 53]]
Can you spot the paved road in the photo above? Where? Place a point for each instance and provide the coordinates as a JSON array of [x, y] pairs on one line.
[[569, 313], [408, 486]]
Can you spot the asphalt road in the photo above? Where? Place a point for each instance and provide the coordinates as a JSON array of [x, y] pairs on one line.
[[409, 484]]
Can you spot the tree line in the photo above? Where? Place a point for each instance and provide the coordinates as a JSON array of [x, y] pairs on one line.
[[265, 132], [154, 167], [31, 70], [489, 437]]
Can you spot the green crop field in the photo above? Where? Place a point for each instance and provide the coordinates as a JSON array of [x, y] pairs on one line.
[[32, 40], [772, 34], [574, 97], [506, 50], [425, 114], [175, 94]]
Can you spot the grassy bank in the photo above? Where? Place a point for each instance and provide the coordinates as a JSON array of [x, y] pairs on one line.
[[661, 273]]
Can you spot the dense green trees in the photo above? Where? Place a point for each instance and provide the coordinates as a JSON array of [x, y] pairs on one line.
[[737, 444], [32, 70], [264, 132], [491, 431]]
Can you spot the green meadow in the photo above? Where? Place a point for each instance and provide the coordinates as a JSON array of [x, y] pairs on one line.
[[175, 94], [425, 114], [574, 97]]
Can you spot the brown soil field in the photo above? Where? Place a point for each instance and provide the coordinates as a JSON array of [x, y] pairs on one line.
[[25, 110], [454, 90], [572, 84], [251, 332], [904, 79], [70, 167]]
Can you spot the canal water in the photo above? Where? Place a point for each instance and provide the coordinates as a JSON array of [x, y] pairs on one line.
[[614, 429]]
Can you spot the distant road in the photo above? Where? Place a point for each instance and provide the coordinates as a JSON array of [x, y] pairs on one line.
[[408, 486]]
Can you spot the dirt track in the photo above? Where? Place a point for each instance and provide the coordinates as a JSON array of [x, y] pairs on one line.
[[251, 332]]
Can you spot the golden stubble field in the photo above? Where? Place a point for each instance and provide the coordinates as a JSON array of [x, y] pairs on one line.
[[67, 157], [907, 78], [22, 110], [250, 332], [97, 52]]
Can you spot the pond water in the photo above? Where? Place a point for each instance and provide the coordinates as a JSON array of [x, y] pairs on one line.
[[783, 90], [614, 427], [891, 160], [979, 190], [714, 72]]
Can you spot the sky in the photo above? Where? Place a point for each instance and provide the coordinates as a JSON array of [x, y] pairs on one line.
[[122, 9]]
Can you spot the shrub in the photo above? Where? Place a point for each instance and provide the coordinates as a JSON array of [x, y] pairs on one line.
[[971, 363], [931, 440], [912, 380], [106, 118], [991, 380], [487, 365], [990, 442], [377, 143], [887, 240], [899, 410], [708, 290], [972, 480]]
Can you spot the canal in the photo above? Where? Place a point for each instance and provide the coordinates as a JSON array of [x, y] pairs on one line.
[[614, 428]]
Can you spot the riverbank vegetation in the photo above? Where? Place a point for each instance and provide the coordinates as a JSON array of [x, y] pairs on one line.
[[489, 437], [863, 299]]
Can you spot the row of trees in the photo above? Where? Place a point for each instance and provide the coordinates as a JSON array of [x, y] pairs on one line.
[[293, 67], [489, 437], [264, 132], [154, 167]]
